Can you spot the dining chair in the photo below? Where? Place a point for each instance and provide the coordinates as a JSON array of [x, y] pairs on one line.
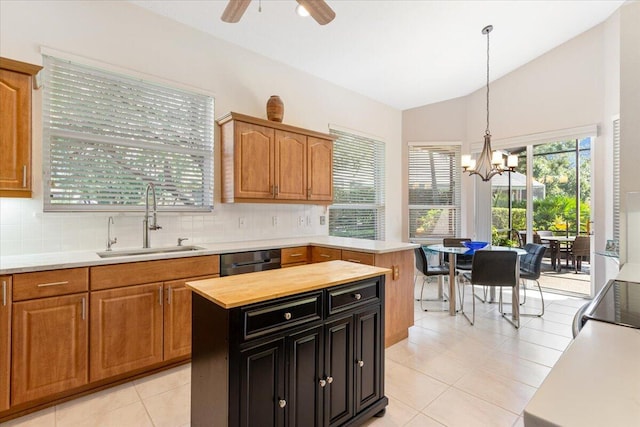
[[498, 269], [530, 268], [463, 262], [422, 265], [580, 249]]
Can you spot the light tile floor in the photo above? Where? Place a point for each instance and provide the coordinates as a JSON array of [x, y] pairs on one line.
[[447, 373]]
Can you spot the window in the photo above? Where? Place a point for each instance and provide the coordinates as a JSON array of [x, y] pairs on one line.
[[434, 191], [616, 179], [106, 136], [358, 187]]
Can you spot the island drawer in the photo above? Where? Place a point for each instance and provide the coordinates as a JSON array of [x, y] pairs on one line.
[[346, 297], [283, 314], [50, 283]]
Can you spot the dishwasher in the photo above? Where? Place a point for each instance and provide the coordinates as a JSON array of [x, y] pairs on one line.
[[247, 262]]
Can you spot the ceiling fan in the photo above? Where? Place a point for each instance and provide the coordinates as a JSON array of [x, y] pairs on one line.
[[318, 9]]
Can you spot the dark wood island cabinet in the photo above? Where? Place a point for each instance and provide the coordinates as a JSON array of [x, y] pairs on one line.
[[302, 346]]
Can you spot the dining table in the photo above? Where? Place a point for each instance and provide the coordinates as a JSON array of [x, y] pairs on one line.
[[457, 250], [555, 245]]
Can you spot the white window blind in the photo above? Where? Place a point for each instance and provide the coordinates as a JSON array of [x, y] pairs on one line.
[[106, 136], [434, 191], [616, 179], [358, 187]]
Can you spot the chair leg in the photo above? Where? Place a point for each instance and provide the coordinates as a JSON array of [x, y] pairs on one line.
[[471, 320], [541, 300], [515, 322], [524, 293]]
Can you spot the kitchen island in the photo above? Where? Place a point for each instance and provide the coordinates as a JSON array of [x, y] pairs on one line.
[[302, 346]]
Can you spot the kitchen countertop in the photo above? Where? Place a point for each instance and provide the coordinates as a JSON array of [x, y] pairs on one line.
[[236, 291], [596, 382], [58, 260]]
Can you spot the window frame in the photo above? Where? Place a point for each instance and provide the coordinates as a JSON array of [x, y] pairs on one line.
[[367, 147], [85, 135]]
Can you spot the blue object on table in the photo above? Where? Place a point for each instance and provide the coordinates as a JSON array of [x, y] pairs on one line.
[[474, 246]]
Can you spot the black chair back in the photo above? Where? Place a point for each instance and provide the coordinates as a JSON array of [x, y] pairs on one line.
[[531, 262], [494, 268], [421, 260]]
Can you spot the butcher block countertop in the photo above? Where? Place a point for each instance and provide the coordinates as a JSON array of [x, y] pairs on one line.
[[243, 289]]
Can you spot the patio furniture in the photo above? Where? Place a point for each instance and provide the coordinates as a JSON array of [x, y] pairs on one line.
[[495, 268], [580, 249]]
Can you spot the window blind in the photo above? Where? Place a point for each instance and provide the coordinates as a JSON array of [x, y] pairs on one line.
[[358, 187], [434, 191], [616, 179], [106, 136]]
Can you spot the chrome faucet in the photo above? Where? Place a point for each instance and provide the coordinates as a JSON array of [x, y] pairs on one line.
[[110, 241], [145, 222]]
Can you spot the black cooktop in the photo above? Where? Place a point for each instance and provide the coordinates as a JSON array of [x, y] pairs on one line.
[[618, 302]]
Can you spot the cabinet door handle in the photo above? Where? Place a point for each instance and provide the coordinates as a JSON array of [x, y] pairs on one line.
[[160, 295], [329, 380], [273, 191], [357, 296], [287, 316], [325, 255], [84, 308], [354, 260], [44, 285], [360, 363], [282, 403], [295, 255], [4, 292], [24, 176], [169, 293], [322, 382]]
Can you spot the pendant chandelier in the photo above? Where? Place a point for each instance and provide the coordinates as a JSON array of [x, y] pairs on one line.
[[489, 163]]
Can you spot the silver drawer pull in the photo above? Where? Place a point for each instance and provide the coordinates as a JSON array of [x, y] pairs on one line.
[[357, 296], [282, 403], [4, 292], [295, 255], [24, 176], [354, 260], [325, 256], [84, 308], [322, 383], [361, 363], [287, 316], [44, 285]]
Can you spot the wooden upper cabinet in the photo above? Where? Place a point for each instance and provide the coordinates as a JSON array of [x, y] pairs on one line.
[[320, 169], [264, 161], [291, 172], [15, 127]]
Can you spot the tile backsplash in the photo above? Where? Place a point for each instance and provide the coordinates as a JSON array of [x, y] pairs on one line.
[[25, 229]]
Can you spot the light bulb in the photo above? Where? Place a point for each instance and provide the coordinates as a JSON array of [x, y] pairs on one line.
[[300, 10]]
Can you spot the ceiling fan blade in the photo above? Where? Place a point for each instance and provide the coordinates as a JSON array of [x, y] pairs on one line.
[[319, 10], [234, 10]]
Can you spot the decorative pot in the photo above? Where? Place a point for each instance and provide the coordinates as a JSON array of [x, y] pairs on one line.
[[275, 109]]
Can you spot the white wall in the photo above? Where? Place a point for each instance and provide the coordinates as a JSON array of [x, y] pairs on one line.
[[126, 36], [570, 86]]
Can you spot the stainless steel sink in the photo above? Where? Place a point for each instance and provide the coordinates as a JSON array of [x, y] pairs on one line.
[[147, 251]]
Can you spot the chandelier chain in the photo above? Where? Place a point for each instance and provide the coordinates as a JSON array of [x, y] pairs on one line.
[[487, 130]]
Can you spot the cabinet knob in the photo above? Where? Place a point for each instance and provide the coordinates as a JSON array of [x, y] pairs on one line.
[[322, 382], [287, 316], [282, 403], [361, 363], [357, 296], [329, 380]]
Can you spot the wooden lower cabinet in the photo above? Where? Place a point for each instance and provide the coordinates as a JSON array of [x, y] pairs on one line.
[[50, 343], [5, 341], [326, 371], [126, 329], [177, 318]]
